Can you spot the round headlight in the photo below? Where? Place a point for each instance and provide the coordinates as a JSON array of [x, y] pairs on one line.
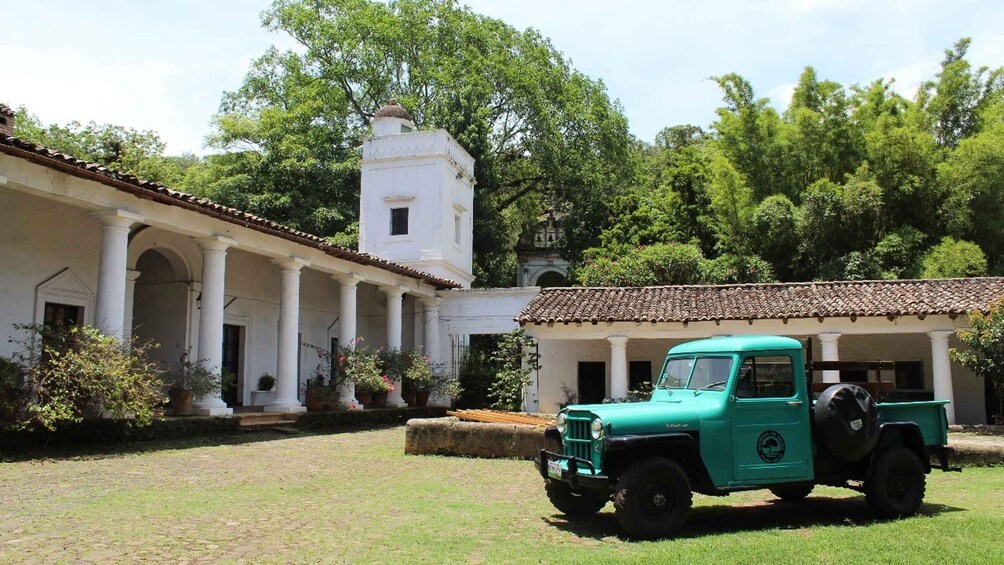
[[596, 428], [559, 422]]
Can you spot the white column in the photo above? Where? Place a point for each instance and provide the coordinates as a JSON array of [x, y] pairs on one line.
[[830, 351], [394, 320], [433, 343], [942, 369], [431, 317], [130, 299], [286, 396], [618, 366], [214, 267], [110, 307], [347, 286]]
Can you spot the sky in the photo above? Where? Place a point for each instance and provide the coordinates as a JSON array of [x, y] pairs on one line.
[[163, 65]]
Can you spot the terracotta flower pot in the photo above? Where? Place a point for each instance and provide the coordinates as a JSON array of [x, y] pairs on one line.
[[409, 397], [379, 399], [421, 398], [181, 402], [364, 397]]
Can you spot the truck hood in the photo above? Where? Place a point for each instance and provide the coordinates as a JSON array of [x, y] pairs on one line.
[[652, 417]]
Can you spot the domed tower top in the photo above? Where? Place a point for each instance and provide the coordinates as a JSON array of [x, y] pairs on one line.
[[391, 119]]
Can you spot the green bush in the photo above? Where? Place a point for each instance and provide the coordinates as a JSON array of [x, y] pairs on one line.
[[855, 266], [659, 264], [897, 253], [954, 259], [192, 376], [732, 269], [985, 353], [13, 390], [81, 373], [517, 358]]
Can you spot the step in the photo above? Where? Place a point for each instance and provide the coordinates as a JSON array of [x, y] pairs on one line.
[[266, 420]]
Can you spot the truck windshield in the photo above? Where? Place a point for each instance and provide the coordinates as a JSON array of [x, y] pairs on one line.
[[711, 373]]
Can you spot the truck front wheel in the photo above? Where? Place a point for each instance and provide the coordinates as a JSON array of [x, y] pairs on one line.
[[571, 504], [894, 486], [652, 498]]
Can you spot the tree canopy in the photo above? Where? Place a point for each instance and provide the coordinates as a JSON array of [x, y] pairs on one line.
[[846, 182], [542, 133]]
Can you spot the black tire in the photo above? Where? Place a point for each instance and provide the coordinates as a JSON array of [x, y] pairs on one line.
[[571, 504], [652, 498], [792, 493], [895, 484]]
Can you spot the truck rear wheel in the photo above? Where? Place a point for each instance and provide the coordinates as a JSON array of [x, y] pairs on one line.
[[652, 498], [895, 484], [792, 493], [571, 504]]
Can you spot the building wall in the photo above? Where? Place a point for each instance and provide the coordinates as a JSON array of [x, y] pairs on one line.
[[40, 239]]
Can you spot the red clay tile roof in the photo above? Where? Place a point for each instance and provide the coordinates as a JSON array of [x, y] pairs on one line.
[[762, 301], [160, 193]]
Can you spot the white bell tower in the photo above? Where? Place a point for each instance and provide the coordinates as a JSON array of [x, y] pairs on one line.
[[416, 197]]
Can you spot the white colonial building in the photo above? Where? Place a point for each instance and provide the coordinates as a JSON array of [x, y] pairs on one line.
[[84, 244]]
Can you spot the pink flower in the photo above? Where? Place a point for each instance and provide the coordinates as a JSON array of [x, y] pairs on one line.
[[341, 358]]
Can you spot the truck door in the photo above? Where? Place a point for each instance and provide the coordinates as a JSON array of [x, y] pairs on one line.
[[770, 421]]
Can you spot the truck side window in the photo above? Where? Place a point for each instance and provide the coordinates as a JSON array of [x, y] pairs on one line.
[[766, 377]]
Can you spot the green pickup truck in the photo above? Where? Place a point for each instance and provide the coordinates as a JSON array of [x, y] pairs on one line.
[[732, 414]]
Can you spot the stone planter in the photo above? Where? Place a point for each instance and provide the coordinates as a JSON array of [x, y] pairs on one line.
[[364, 397], [262, 397], [181, 402]]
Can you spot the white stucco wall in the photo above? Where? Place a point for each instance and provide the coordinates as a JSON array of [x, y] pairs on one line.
[[40, 239]]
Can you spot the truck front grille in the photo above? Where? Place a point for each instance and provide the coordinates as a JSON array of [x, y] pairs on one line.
[[578, 439]]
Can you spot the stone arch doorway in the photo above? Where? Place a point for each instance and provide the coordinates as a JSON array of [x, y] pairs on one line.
[[551, 279], [162, 304]]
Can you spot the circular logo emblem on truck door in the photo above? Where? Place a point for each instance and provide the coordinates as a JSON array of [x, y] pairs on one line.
[[770, 446]]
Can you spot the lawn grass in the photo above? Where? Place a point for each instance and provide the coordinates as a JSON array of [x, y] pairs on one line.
[[354, 497]]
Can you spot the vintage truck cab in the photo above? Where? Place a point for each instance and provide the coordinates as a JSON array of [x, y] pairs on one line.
[[731, 414]]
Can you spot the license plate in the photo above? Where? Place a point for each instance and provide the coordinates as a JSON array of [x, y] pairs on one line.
[[554, 469]]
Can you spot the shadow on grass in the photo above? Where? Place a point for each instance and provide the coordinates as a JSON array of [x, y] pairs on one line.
[[720, 519], [60, 452]]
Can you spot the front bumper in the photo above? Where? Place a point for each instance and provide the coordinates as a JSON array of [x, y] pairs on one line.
[[570, 475]]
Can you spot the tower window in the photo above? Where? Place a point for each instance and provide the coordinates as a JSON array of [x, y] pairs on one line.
[[399, 221], [457, 226]]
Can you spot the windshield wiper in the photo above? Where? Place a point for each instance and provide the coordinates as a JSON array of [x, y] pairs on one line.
[[708, 387]]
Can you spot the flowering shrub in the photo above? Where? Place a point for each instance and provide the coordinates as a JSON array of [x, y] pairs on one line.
[[78, 373], [362, 366]]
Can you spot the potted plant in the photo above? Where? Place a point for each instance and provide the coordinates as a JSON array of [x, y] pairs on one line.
[[266, 382], [394, 364], [321, 390], [188, 380], [362, 367], [264, 392], [426, 377]]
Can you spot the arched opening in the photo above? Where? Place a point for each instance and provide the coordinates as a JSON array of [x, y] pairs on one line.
[[551, 278], [161, 305]]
